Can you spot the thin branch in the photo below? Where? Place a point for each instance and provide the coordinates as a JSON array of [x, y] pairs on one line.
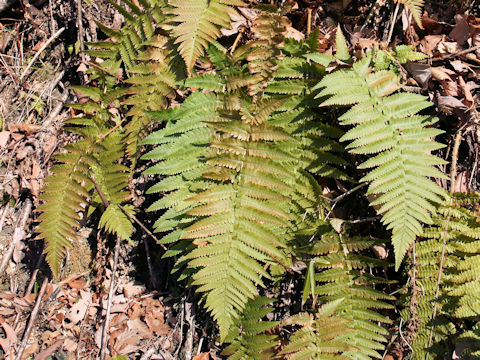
[[80, 29], [309, 21], [44, 46], [463, 52], [109, 301], [33, 318], [392, 25]]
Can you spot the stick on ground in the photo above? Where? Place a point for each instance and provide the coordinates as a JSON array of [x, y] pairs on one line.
[[33, 318]]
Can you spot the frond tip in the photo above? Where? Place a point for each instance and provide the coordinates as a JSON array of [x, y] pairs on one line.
[[416, 8], [198, 23]]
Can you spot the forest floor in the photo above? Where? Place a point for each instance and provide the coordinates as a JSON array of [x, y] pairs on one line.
[[151, 316]]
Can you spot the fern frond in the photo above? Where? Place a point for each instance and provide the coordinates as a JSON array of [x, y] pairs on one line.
[[387, 128], [416, 8], [336, 272], [247, 337], [198, 23], [319, 335], [447, 263], [64, 198]]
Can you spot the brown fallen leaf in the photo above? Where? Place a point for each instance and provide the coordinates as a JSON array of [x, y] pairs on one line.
[[156, 325], [420, 72], [77, 312], [4, 136], [202, 356], [461, 31], [78, 284], [28, 129]]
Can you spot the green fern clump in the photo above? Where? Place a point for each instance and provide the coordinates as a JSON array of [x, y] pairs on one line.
[[234, 198], [387, 127]]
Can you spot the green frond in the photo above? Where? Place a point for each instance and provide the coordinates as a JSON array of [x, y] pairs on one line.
[[399, 143], [198, 23], [247, 337], [319, 335], [64, 198], [416, 8]]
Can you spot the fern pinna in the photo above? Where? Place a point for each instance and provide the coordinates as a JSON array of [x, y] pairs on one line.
[[386, 124]]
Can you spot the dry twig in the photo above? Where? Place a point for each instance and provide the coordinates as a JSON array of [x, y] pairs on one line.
[[109, 301], [21, 226], [33, 318], [44, 46]]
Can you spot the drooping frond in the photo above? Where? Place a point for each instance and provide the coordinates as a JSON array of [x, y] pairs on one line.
[[69, 188], [248, 338], [112, 180], [386, 126], [416, 8], [197, 23], [64, 198], [319, 336]]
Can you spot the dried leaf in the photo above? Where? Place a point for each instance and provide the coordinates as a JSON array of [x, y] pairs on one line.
[[9, 332], [133, 289], [202, 356], [4, 136], [77, 312], [461, 31], [420, 72]]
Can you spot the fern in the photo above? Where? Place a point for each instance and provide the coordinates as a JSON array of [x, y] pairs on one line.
[[247, 337], [64, 196], [336, 272], [197, 23], [448, 290], [69, 188], [386, 125], [416, 8], [319, 335], [235, 196]]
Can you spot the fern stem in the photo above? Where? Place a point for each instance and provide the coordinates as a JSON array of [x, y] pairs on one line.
[[144, 228], [104, 70], [131, 216]]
